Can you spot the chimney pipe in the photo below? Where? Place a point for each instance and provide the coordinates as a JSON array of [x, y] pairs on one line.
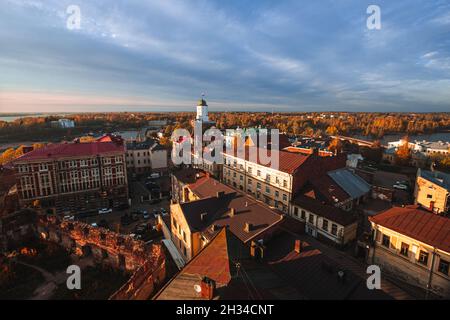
[[203, 216], [220, 194], [232, 212], [247, 227], [298, 246], [208, 287]]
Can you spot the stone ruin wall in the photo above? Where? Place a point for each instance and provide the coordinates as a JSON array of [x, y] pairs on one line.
[[105, 246]]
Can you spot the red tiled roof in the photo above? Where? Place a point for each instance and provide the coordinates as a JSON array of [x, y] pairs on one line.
[[63, 150], [206, 186], [188, 175], [418, 224], [287, 161], [324, 188]]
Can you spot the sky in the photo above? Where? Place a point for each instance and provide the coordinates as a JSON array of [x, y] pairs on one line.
[[244, 55]]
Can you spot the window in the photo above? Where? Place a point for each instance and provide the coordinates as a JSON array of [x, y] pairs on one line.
[[249, 181], [386, 241], [285, 183], [404, 249], [443, 267], [429, 196], [83, 163], [174, 223], [325, 224], [311, 218], [277, 194], [277, 180], [296, 211], [267, 190], [250, 170], [258, 186], [258, 173], [43, 167], [106, 160], [118, 159], [284, 197], [303, 215], [268, 177], [423, 257], [241, 177], [334, 229]]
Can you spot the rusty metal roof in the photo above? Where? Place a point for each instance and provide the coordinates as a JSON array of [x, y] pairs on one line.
[[417, 223]]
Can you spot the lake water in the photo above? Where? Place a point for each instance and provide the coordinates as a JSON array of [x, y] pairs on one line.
[[15, 117]]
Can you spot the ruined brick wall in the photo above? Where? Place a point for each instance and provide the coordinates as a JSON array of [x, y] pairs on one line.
[[145, 280], [16, 227], [105, 246]]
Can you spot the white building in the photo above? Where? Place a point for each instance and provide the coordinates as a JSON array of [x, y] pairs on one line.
[[63, 123]]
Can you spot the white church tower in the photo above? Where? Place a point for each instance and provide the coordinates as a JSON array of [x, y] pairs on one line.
[[202, 110]]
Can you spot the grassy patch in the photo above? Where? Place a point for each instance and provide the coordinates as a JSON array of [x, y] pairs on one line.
[[97, 283], [18, 282]]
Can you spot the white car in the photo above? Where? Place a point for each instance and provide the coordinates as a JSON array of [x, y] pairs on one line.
[[400, 186], [104, 210], [95, 225], [69, 218]]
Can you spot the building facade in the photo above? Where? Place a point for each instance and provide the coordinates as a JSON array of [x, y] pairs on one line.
[[432, 191], [145, 157], [276, 186], [73, 177], [413, 245], [324, 221]]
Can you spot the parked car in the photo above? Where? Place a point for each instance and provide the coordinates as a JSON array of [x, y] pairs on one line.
[[141, 228], [146, 216], [155, 175], [94, 224], [69, 218], [104, 211], [400, 186]]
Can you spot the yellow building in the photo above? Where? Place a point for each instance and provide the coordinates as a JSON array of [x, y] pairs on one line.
[[413, 245], [432, 190]]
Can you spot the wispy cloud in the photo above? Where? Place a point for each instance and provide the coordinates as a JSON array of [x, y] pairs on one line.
[[290, 55]]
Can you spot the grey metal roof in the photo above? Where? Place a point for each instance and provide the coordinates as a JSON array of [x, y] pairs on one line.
[[354, 185], [440, 178]]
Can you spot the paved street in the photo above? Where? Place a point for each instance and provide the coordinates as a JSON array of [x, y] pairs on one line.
[[137, 190]]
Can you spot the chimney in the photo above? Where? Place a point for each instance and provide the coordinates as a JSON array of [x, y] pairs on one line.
[[220, 194], [203, 216], [208, 287], [232, 212], [247, 227], [298, 246]]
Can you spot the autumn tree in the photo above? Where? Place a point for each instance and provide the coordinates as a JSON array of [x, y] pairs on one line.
[[7, 156], [403, 154], [332, 131], [335, 146]]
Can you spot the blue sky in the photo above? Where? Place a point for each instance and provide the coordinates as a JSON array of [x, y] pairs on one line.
[[245, 55]]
